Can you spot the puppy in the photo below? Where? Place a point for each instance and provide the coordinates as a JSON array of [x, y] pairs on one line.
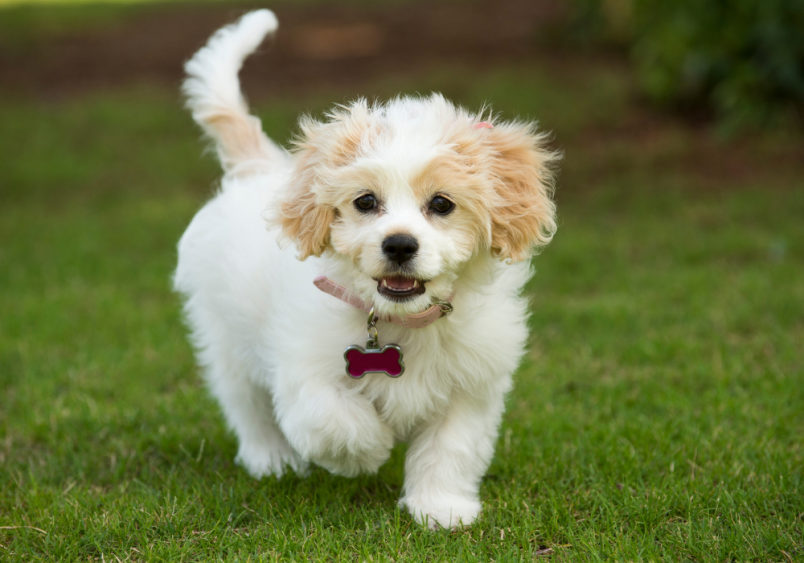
[[401, 213]]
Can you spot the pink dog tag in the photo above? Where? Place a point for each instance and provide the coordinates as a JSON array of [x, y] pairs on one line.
[[373, 359], [387, 360]]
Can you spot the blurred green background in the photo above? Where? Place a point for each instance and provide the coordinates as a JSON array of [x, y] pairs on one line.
[[659, 412], [740, 62]]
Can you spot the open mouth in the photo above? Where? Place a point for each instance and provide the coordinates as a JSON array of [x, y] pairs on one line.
[[399, 288]]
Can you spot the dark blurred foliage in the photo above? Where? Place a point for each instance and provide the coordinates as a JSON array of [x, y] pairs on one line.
[[741, 61]]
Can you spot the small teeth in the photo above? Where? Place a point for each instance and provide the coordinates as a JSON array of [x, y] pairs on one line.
[[385, 284]]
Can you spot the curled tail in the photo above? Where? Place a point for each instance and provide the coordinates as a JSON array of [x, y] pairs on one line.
[[213, 93]]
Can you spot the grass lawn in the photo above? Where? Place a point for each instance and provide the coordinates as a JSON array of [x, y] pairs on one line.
[[658, 416]]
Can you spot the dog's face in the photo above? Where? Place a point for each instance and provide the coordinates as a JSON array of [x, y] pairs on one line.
[[404, 195]]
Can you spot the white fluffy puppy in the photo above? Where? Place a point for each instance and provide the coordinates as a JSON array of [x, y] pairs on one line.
[[405, 204]]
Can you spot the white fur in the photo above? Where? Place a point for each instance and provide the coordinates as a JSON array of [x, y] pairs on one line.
[[272, 344]]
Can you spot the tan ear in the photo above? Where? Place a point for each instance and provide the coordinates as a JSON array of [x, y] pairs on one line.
[[303, 219], [523, 215], [308, 206]]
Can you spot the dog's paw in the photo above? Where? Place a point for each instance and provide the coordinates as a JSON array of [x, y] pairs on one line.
[[263, 461], [346, 451], [346, 439], [447, 512]]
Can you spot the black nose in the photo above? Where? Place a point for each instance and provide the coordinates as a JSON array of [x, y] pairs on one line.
[[400, 248]]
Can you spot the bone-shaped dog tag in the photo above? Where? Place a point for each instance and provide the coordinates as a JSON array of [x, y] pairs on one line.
[[387, 360], [373, 359]]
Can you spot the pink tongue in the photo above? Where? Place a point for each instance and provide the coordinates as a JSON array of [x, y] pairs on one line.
[[399, 283]]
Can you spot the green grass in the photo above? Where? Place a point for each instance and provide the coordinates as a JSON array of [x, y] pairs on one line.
[[658, 416]]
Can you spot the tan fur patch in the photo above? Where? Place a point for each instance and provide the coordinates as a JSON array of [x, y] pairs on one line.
[[456, 177], [502, 181], [308, 208], [302, 218], [239, 140], [523, 215]]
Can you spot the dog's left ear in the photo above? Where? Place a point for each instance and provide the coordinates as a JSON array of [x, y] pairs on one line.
[[523, 215], [302, 217]]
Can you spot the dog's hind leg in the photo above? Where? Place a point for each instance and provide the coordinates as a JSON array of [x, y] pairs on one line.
[[249, 411]]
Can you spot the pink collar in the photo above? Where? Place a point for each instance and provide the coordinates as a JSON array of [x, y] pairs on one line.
[[418, 320]]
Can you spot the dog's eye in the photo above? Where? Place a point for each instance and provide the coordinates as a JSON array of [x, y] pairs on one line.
[[441, 205], [366, 202]]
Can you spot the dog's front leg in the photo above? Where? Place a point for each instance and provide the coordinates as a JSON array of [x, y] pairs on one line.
[[447, 459], [331, 425]]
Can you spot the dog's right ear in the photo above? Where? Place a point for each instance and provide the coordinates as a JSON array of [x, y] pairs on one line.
[[302, 217], [308, 206]]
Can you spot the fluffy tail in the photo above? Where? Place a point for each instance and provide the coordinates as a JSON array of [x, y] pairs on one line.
[[213, 93]]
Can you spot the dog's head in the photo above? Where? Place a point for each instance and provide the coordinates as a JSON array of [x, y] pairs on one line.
[[405, 194]]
